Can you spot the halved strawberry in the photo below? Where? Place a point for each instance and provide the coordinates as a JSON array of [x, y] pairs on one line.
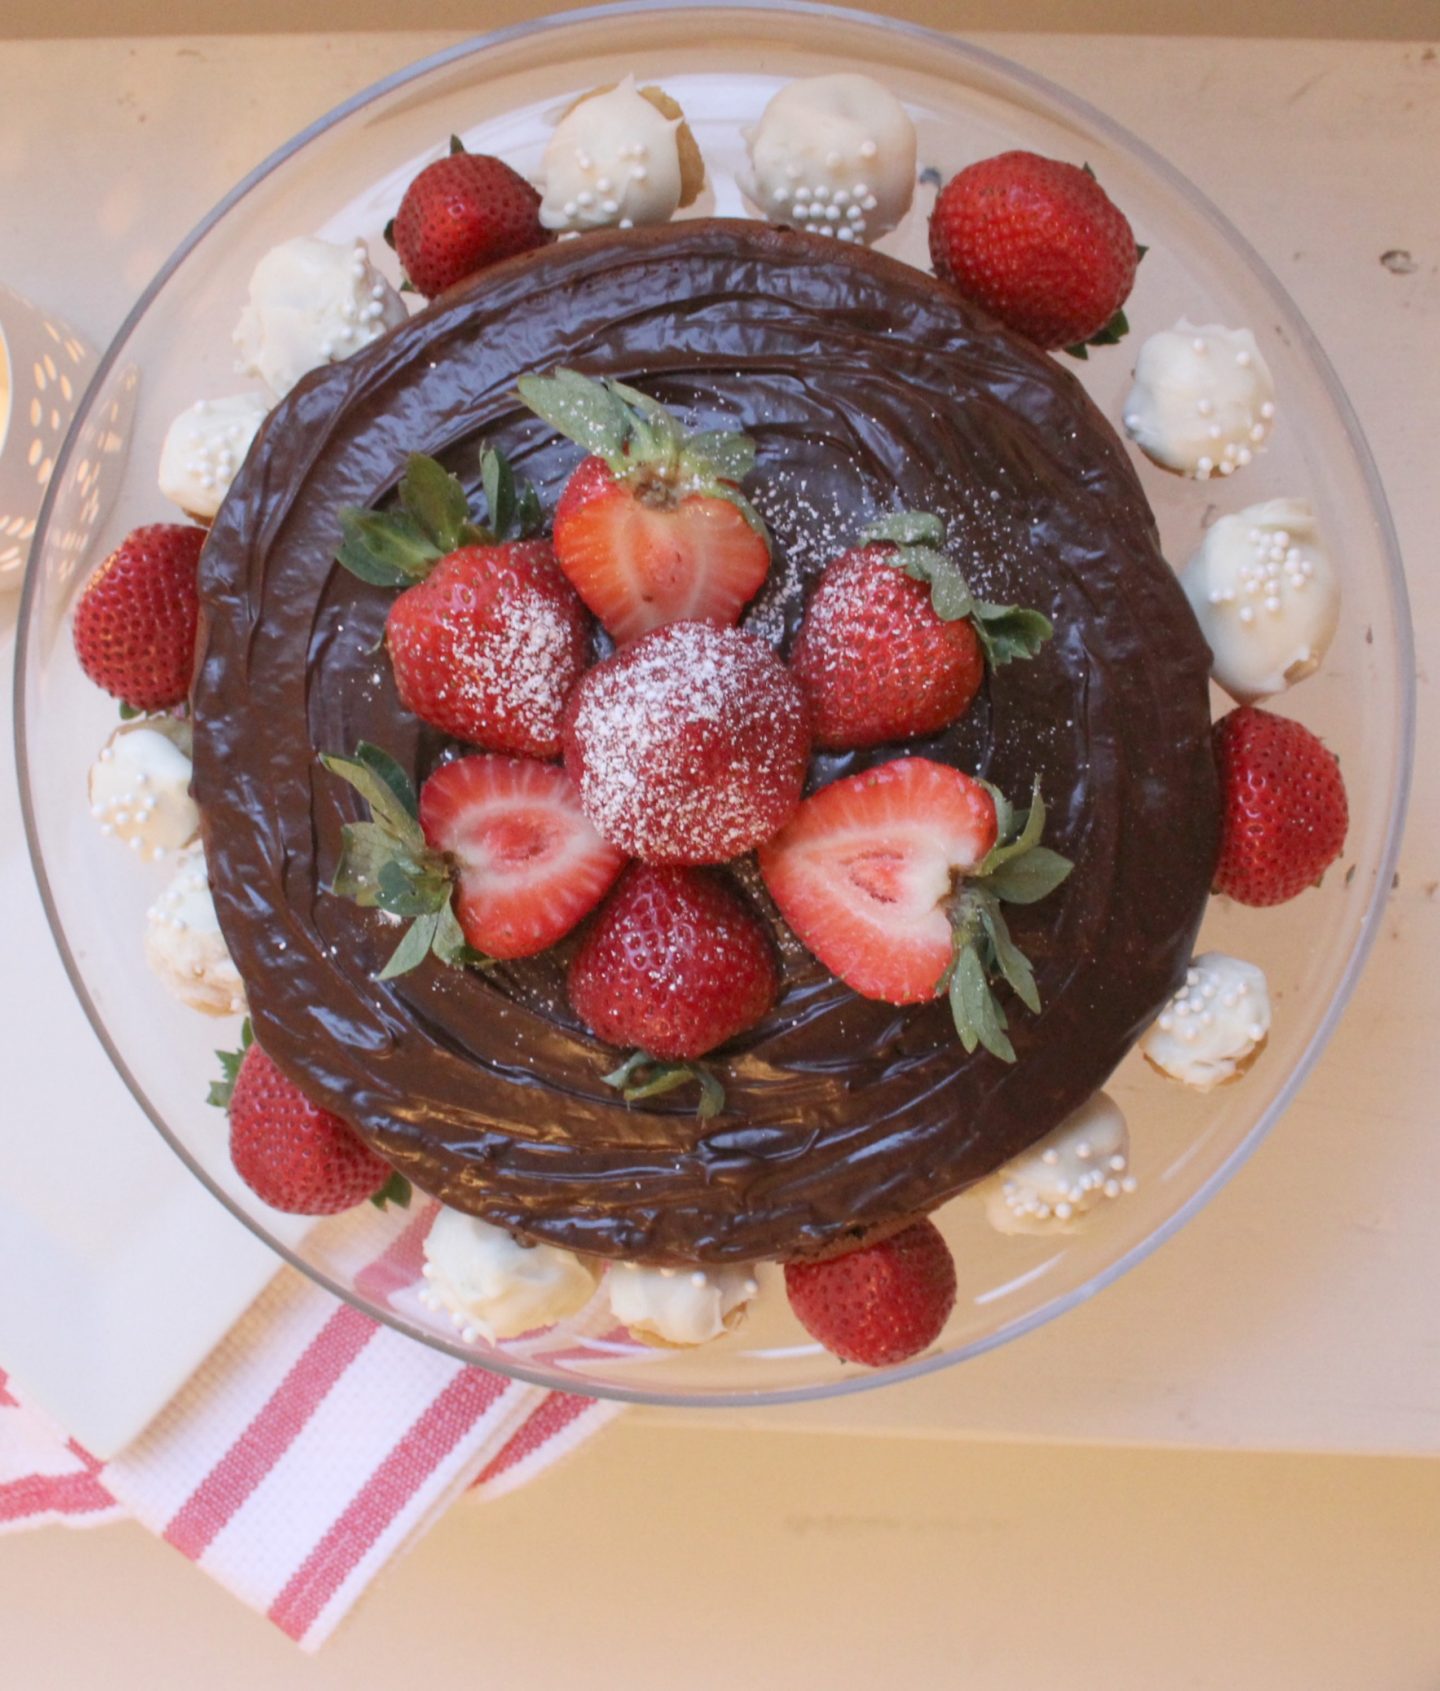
[[652, 527], [495, 859], [893, 878], [528, 865]]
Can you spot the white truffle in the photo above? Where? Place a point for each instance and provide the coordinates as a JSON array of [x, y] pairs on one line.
[[204, 447], [614, 159], [1213, 1028], [679, 1306], [1266, 596], [1203, 402], [311, 303], [140, 792], [495, 1288], [184, 946], [1056, 1182], [834, 155]]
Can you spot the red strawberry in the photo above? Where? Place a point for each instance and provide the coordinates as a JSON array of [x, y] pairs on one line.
[[136, 619], [675, 964], [689, 746], [893, 644], [1282, 807], [1039, 244], [459, 215], [652, 527], [489, 645], [528, 865], [291, 1153], [488, 637], [865, 871], [880, 1304]]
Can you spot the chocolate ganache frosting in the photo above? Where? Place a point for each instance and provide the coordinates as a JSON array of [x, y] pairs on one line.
[[867, 387]]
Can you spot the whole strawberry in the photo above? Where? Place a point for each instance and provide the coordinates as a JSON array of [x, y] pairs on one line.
[[1283, 812], [460, 214], [292, 1154], [881, 1304], [652, 526], [136, 619], [689, 745], [1039, 244], [488, 637], [893, 644], [676, 963]]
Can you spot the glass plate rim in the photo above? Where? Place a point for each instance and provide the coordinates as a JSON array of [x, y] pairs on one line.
[[945, 45]]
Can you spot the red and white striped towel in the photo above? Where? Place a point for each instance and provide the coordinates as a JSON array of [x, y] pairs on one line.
[[310, 1447]]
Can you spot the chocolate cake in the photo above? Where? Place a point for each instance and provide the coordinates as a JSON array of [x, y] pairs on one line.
[[867, 387]]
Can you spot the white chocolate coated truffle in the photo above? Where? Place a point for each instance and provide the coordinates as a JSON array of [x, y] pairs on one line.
[[614, 159], [495, 1288], [311, 303], [1063, 1176], [1203, 400], [834, 155], [140, 792], [1213, 1028], [203, 449], [183, 943], [1266, 596], [679, 1306]]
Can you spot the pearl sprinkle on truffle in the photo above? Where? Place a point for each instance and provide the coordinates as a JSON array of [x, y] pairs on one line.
[[1213, 1028], [183, 943], [140, 792], [833, 155], [1266, 596], [203, 449], [1059, 1180], [1203, 401]]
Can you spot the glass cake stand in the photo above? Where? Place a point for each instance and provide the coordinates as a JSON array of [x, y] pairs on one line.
[[343, 177]]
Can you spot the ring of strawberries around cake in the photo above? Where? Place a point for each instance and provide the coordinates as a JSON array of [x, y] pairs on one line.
[[867, 389]]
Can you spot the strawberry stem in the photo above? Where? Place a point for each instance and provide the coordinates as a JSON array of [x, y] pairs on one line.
[[642, 1076], [1006, 632], [222, 1090], [1016, 870], [431, 518], [385, 863], [396, 1190], [643, 442]]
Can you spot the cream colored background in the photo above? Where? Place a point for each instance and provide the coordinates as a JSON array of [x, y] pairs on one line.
[[1394, 20]]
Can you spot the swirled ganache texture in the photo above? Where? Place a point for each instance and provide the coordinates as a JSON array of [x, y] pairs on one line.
[[867, 387]]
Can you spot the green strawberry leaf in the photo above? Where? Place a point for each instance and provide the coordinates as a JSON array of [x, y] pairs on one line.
[[1112, 334], [365, 847], [451, 946], [584, 411], [385, 548], [397, 1190], [456, 145], [395, 810], [906, 528], [642, 1076], [512, 505], [716, 455], [379, 762], [128, 713], [414, 948], [437, 503], [1028, 879], [655, 434], [222, 1090], [389, 234], [1017, 870], [1140, 251], [411, 887], [1008, 632]]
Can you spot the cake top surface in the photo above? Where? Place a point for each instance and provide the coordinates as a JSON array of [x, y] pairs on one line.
[[867, 387]]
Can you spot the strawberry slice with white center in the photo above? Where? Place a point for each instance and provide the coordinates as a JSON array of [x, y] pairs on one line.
[[652, 526], [893, 878], [494, 860], [527, 863]]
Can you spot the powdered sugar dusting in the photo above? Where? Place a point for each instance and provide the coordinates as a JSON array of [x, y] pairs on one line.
[[690, 746]]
